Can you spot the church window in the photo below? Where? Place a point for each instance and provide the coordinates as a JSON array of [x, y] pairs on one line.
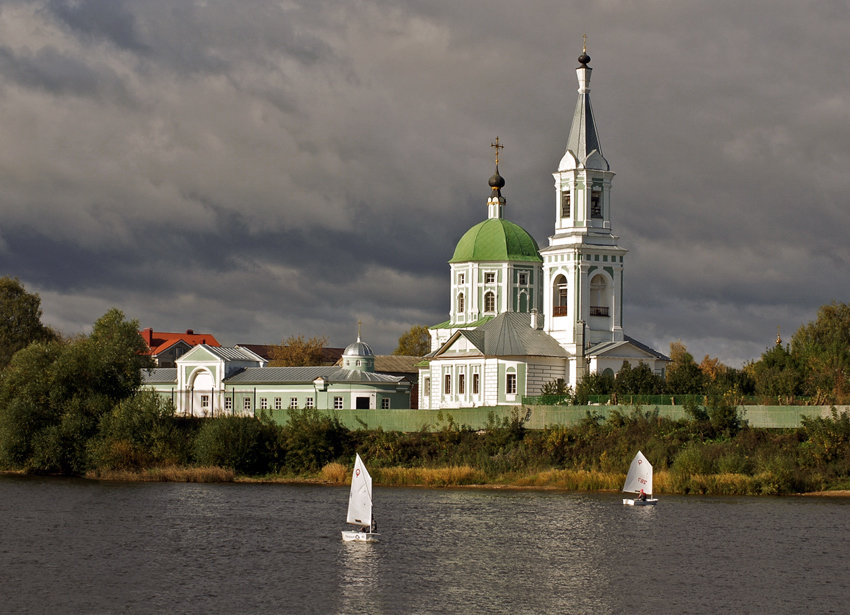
[[475, 383], [598, 296], [228, 403], [427, 386], [309, 403], [510, 384], [461, 384], [264, 403], [559, 296], [460, 305], [385, 403], [293, 403], [337, 403], [523, 278], [205, 402], [489, 302], [565, 204], [447, 389], [246, 404], [278, 403], [596, 202], [461, 278], [489, 277]]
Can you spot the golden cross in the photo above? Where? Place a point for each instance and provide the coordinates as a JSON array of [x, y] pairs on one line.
[[359, 322], [584, 43], [496, 146]]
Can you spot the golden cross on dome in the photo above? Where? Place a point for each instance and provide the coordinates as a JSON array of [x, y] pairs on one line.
[[497, 146], [584, 43], [359, 322]]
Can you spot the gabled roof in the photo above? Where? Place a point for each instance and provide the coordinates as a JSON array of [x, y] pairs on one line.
[[508, 334], [448, 324], [607, 348], [159, 341], [225, 353]]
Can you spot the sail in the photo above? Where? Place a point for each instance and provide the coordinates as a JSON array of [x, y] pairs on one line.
[[640, 475], [360, 498]]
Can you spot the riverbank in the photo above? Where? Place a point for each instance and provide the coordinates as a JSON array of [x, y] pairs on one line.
[[335, 474]]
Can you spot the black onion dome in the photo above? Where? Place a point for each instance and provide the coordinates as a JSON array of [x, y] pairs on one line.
[[584, 59], [497, 181]]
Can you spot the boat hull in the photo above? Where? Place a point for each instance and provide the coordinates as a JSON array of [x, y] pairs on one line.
[[639, 502], [353, 536]]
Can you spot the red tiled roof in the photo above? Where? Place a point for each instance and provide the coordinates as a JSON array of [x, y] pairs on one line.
[[158, 341]]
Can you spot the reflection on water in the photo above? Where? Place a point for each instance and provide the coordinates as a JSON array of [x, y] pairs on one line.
[[83, 547], [359, 578]]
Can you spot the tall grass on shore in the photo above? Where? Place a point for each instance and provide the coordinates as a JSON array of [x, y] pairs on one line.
[[168, 474]]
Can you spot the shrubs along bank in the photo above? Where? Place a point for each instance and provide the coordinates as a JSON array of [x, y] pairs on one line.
[[712, 452]]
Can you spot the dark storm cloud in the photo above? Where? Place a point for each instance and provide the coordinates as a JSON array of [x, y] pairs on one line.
[[259, 169], [108, 20]]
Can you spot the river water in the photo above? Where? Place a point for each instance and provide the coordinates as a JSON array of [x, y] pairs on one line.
[[75, 546]]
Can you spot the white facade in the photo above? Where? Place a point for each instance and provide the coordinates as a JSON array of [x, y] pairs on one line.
[[574, 299]]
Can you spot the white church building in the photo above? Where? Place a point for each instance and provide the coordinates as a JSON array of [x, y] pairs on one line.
[[521, 316]]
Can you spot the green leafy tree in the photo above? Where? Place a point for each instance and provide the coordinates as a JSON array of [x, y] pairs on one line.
[[20, 319], [295, 351], [141, 431], [416, 342], [594, 384], [822, 350], [53, 395], [776, 375], [637, 380], [683, 374], [246, 445]]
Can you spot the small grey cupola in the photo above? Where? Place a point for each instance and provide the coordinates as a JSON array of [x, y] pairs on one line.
[[583, 148], [358, 355], [496, 202]]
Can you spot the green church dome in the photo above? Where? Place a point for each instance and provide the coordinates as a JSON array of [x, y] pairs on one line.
[[496, 239]]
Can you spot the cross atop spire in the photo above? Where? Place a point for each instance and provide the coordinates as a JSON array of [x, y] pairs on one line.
[[359, 322], [497, 146], [584, 43]]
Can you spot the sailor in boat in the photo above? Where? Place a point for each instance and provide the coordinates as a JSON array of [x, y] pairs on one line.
[[374, 526], [642, 496]]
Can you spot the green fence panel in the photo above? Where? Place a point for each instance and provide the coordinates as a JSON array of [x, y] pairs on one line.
[[539, 417]]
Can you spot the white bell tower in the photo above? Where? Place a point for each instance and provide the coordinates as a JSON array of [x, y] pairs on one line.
[[583, 265]]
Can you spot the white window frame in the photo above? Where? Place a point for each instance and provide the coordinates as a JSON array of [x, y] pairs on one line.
[[337, 403], [278, 403], [264, 403], [309, 403], [293, 403], [246, 404], [385, 403]]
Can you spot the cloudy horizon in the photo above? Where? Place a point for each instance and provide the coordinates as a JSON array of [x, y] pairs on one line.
[[264, 168]]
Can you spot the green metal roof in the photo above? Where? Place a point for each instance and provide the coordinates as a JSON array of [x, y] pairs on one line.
[[496, 239]]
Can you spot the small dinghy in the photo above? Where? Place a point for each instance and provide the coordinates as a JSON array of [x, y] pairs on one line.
[[639, 480], [360, 506]]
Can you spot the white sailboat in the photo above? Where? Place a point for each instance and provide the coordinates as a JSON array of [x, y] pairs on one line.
[[360, 506], [639, 479]]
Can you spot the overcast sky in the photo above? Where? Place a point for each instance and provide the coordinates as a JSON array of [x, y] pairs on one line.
[[260, 169]]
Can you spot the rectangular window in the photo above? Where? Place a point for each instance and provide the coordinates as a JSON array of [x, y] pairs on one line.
[[337, 403], [246, 404], [309, 403], [427, 386], [475, 381], [510, 384], [448, 385], [461, 278], [565, 204], [228, 403], [264, 403], [385, 403], [293, 403], [523, 278], [278, 403], [205, 402], [461, 384], [489, 277]]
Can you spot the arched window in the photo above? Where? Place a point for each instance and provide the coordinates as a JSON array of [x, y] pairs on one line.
[[599, 296], [460, 305], [490, 302], [559, 296]]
